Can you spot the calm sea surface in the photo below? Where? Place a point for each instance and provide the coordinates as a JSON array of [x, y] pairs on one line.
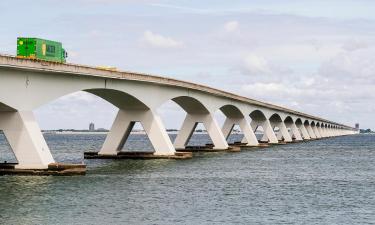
[[329, 181]]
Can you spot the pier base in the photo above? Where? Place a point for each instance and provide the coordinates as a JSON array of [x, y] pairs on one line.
[[208, 148], [138, 155], [54, 169]]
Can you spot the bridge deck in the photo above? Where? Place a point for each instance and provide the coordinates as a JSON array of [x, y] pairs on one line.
[[83, 70]]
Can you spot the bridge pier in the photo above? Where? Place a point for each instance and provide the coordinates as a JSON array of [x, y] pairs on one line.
[[190, 123], [123, 125], [321, 131], [30, 149], [283, 134], [249, 136], [294, 132], [316, 131], [310, 131], [26, 140], [302, 130], [330, 132], [269, 135]]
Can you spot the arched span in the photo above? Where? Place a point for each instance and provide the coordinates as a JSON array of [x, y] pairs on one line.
[[299, 122], [231, 111], [190, 104], [119, 99], [257, 115], [276, 118], [306, 123], [312, 123], [289, 120]]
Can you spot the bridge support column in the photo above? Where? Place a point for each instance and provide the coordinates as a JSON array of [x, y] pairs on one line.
[[283, 133], [269, 135], [124, 123], [249, 137], [190, 123], [26, 140], [316, 132], [304, 132], [310, 131], [329, 132], [294, 132], [322, 132]]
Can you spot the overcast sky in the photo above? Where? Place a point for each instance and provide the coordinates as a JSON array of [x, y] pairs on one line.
[[317, 57]]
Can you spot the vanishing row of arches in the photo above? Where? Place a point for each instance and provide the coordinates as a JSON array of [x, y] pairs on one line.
[[270, 129]]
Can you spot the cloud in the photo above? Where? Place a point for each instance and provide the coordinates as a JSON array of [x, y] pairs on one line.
[[354, 45], [159, 41], [256, 65], [255, 68], [231, 26], [341, 88]]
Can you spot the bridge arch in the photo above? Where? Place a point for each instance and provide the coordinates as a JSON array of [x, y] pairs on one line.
[[294, 128], [257, 115], [289, 119], [280, 128], [298, 121], [259, 120], [131, 110], [276, 117], [231, 111], [190, 104], [275, 120], [197, 113], [118, 98], [235, 117]]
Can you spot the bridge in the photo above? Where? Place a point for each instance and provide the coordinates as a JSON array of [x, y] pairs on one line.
[[27, 84]]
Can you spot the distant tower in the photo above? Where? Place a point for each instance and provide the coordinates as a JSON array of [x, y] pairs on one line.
[[92, 127], [357, 126]]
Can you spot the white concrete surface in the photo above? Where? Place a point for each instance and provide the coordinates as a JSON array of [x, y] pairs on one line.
[[28, 84]]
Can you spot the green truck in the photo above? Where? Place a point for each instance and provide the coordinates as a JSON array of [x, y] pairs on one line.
[[36, 48]]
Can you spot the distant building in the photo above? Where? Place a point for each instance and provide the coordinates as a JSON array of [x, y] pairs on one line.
[[92, 127]]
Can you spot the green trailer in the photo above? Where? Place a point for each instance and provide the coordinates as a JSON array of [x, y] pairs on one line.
[[35, 48]]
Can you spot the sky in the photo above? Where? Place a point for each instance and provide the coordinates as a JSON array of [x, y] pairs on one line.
[[316, 57]]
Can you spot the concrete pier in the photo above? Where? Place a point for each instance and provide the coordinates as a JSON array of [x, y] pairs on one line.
[[137, 155], [54, 169]]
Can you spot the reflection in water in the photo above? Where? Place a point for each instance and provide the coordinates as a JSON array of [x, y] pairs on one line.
[[328, 181]]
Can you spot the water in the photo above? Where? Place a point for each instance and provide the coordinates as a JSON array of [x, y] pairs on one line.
[[329, 181]]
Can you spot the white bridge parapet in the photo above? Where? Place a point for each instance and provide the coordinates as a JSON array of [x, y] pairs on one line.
[[28, 84]]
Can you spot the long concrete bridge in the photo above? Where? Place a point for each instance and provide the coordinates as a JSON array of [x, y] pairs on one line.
[[27, 84]]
